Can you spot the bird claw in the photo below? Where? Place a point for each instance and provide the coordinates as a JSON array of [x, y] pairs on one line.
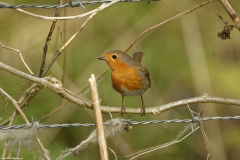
[[123, 111], [143, 111]]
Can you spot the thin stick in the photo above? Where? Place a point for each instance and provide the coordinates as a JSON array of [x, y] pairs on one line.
[[219, 16], [45, 153], [231, 13], [24, 100], [65, 103], [45, 48], [151, 149], [202, 130], [170, 19], [14, 103], [66, 44], [64, 39], [24, 118], [98, 117], [4, 149], [113, 153], [103, 6], [20, 54]]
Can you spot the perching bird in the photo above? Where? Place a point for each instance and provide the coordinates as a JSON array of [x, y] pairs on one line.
[[129, 76]]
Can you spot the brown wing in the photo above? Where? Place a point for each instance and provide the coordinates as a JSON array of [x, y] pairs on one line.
[[137, 56], [145, 72], [148, 77]]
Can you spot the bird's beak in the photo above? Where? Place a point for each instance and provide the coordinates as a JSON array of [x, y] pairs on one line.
[[101, 58]]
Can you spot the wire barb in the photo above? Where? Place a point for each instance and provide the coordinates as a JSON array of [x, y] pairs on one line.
[[76, 4], [70, 4], [125, 121]]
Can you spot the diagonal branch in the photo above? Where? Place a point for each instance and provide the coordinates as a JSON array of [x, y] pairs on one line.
[[231, 13], [5, 95], [48, 82], [66, 44], [73, 37], [45, 48], [166, 21], [20, 54]]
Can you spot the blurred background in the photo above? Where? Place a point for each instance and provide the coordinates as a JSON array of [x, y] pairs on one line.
[[185, 59]]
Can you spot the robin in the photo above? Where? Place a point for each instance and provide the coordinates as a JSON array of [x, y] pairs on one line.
[[129, 76]]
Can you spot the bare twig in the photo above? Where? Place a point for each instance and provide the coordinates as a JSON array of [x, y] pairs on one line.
[[69, 17], [113, 153], [151, 149], [45, 48], [220, 17], [64, 39], [98, 118], [202, 130], [4, 149], [65, 103], [2, 92], [24, 100], [67, 43], [231, 13], [20, 54], [49, 82], [45, 152], [166, 21], [24, 118]]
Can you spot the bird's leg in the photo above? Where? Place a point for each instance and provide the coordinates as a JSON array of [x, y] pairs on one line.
[[123, 111], [143, 111]]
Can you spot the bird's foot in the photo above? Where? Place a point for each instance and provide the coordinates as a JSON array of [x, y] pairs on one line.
[[123, 111], [143, 111]]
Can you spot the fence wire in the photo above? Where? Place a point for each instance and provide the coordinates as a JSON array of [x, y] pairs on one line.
[[70, 4], [38, 125]]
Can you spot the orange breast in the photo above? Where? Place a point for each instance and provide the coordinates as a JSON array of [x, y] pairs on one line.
[[128, 82]]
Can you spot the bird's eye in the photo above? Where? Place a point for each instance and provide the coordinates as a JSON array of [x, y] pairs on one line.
[[114, 56]]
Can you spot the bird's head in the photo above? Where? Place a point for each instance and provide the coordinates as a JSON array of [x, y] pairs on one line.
[[117, 59]]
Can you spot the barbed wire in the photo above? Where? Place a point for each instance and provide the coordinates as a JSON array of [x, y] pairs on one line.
[[70, 4], [125, 121]]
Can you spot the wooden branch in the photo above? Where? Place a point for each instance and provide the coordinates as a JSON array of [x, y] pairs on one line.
[[106, 109], [231, 13], [159, 109], [98, 118], [48, 82]]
